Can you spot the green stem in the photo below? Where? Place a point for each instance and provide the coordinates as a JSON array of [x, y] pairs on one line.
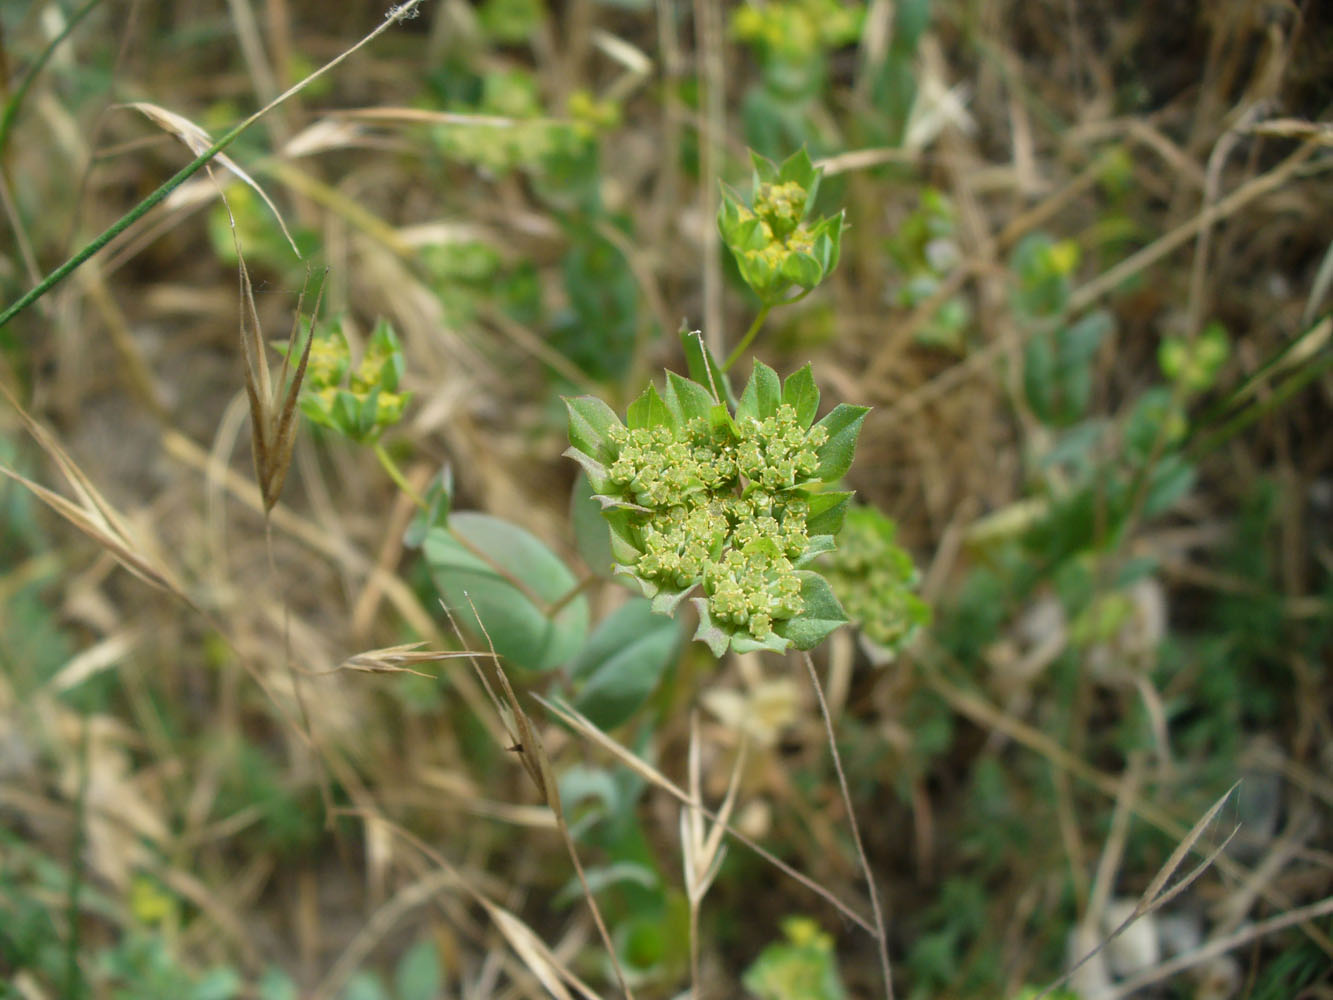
[[123, 223], [396, 474], [21, 91], [748, 338], [570, 594]]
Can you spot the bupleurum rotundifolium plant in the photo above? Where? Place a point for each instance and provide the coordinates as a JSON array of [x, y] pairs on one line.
[[735, 504]]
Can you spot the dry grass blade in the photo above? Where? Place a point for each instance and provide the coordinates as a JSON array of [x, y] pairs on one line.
[[93, 514], [548, 969], [573, 718], [198, 141], [1323, 281], [535, 760], [395, 659], [272, 409], [703, 850], [1153, 897]]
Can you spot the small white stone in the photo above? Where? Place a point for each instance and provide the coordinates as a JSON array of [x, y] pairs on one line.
[[1092, 979], [1137, 948]]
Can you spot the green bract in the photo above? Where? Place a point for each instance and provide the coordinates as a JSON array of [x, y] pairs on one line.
[[776, 250], [697, 496]]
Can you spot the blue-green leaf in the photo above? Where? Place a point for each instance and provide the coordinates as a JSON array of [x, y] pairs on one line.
[[439, 501], [592, 535], [622, 663], [418, 976], [511, 578]]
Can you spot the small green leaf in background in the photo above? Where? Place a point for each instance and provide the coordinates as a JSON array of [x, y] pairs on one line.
[[1195, 365], [275, 984], [418, 976], [1043, 269], [801, 968], [599, 330], [439, 500], [622, 663], [365, 985], [1058, 368], [512, 579]]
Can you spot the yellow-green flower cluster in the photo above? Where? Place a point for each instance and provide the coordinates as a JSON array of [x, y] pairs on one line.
[[874, 579], [721, 506], [778, 250], [362, 403]]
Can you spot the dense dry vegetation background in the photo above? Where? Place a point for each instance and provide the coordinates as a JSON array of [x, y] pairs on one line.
[[1085, 287]]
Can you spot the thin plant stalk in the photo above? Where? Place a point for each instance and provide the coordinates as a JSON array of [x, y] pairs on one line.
[[189, 170], [881, 934], [748, 339], [396, 474], [21, 91]]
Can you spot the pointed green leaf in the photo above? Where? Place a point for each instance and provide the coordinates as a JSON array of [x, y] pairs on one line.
[[622, 663], [511, 578], [762, 393], [649, 411], [798, 168], [687, 399], [799, 391], [624, 537], [843, 424], [827, 511], [593, 469], [822, 614], [708, 632], [818, 545], [589, 421], [765, 170]]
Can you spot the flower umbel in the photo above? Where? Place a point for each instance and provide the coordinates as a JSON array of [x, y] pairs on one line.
[[733, 504]]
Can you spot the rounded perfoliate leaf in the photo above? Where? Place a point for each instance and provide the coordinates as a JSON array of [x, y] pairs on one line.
[[512, 580], [621, 665], [592, 535]]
